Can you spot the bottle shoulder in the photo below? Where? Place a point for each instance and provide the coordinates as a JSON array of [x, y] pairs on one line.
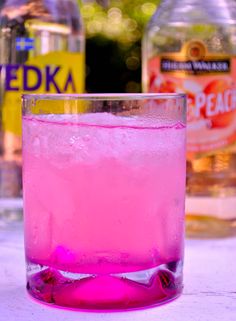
[[190, 12], [65, 12]]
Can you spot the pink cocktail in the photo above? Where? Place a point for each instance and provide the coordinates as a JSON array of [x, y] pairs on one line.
[[104, 199]]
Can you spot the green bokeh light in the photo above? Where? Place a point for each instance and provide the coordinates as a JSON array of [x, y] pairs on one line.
[[115, 33], [121, 21]]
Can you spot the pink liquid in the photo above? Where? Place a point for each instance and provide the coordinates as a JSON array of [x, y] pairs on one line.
[[104, 210]]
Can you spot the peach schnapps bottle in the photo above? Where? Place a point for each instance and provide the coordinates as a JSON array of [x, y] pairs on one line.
[[190, 46]]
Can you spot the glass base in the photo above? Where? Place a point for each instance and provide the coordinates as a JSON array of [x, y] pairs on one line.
[[210, 217], [11, 210], [198, 226], [119, 291]]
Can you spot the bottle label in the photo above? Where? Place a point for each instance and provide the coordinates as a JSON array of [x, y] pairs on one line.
[[209, 80], [56, 72]]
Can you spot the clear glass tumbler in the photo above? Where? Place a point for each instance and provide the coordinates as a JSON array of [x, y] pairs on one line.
[[104, 190]]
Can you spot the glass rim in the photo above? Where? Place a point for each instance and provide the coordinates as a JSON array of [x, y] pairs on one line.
[[103, 96]]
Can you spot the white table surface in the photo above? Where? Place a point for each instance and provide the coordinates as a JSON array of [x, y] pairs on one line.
[[209, 293]]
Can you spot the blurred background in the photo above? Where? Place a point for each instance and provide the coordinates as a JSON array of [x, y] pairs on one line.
[[114, 30]]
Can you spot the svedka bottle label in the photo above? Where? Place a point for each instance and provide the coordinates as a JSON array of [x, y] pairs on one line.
[[56, 72], [209, 80]]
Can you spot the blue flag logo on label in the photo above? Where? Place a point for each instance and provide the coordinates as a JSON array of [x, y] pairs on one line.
[[24, 44]]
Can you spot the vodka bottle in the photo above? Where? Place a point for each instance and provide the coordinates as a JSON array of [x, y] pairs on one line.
[[41, 51]]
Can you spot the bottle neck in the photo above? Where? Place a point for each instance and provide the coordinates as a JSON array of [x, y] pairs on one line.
[[65, 12], [197, 11], [198, 3]]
